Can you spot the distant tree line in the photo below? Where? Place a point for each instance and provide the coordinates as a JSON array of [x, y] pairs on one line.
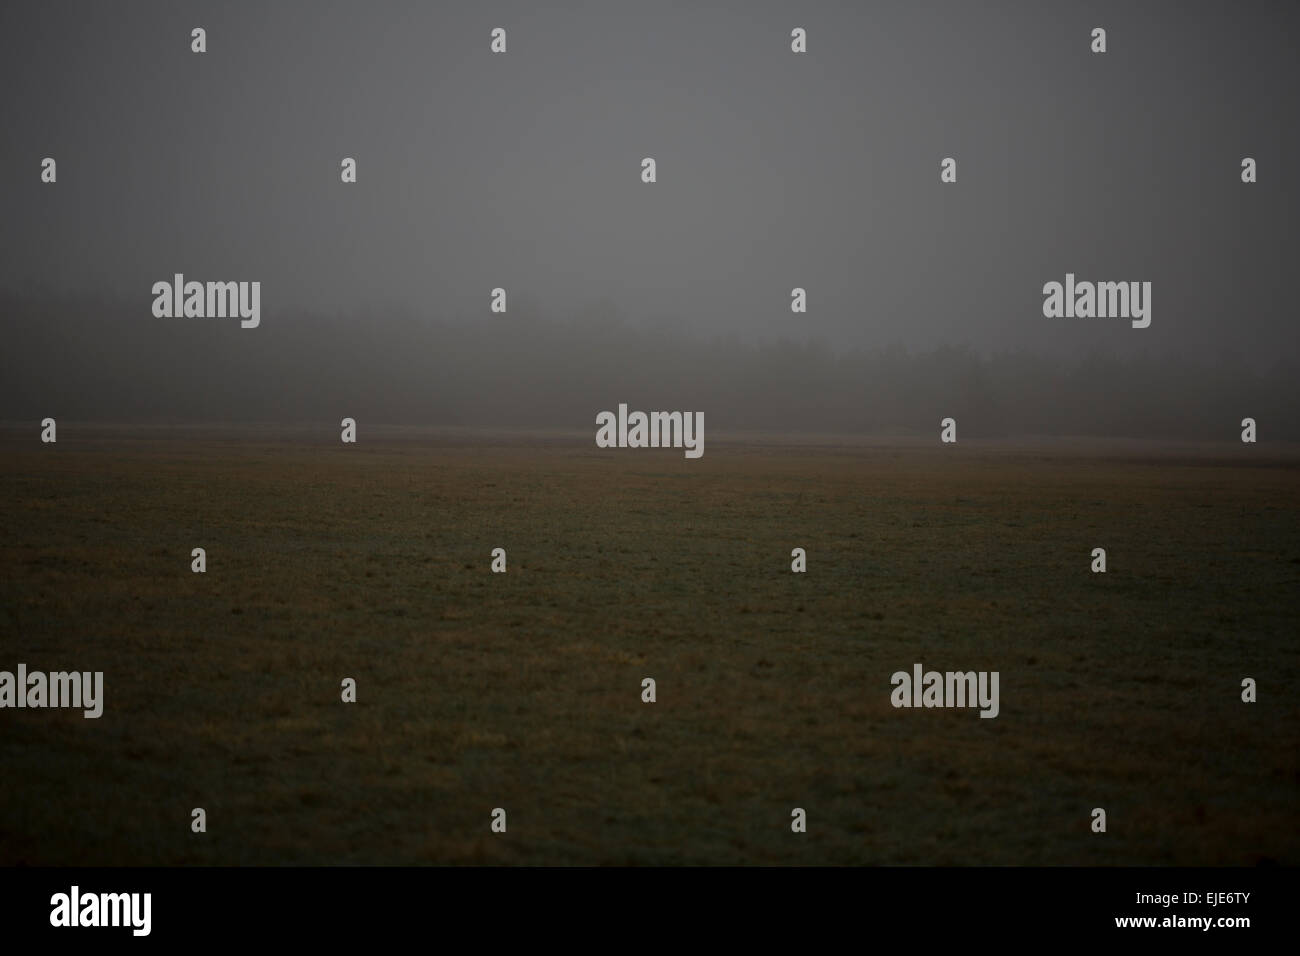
[[83, 360]]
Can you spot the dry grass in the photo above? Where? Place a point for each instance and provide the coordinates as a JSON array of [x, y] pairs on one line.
[[523, 690]]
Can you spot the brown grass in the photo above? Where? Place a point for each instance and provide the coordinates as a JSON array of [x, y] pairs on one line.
[[522, 690]]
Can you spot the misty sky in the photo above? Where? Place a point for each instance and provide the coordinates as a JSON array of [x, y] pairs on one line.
[[775, 170]]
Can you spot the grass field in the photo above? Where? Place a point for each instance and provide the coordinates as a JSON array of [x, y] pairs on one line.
[[523, 690]]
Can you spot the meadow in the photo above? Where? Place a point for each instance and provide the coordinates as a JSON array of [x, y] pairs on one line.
[[522, 690]]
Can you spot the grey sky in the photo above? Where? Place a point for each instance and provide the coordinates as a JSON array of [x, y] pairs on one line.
[[775, 170]]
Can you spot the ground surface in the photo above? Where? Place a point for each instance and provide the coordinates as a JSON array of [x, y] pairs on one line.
[[523, 690]]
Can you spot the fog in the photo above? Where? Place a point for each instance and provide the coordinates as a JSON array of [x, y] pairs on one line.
[[775, 170], [85, 361]]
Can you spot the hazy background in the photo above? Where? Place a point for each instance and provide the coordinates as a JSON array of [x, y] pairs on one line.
[[775, 170]]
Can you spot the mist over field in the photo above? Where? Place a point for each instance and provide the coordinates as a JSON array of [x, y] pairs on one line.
[[776, 171], [82, 360]]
